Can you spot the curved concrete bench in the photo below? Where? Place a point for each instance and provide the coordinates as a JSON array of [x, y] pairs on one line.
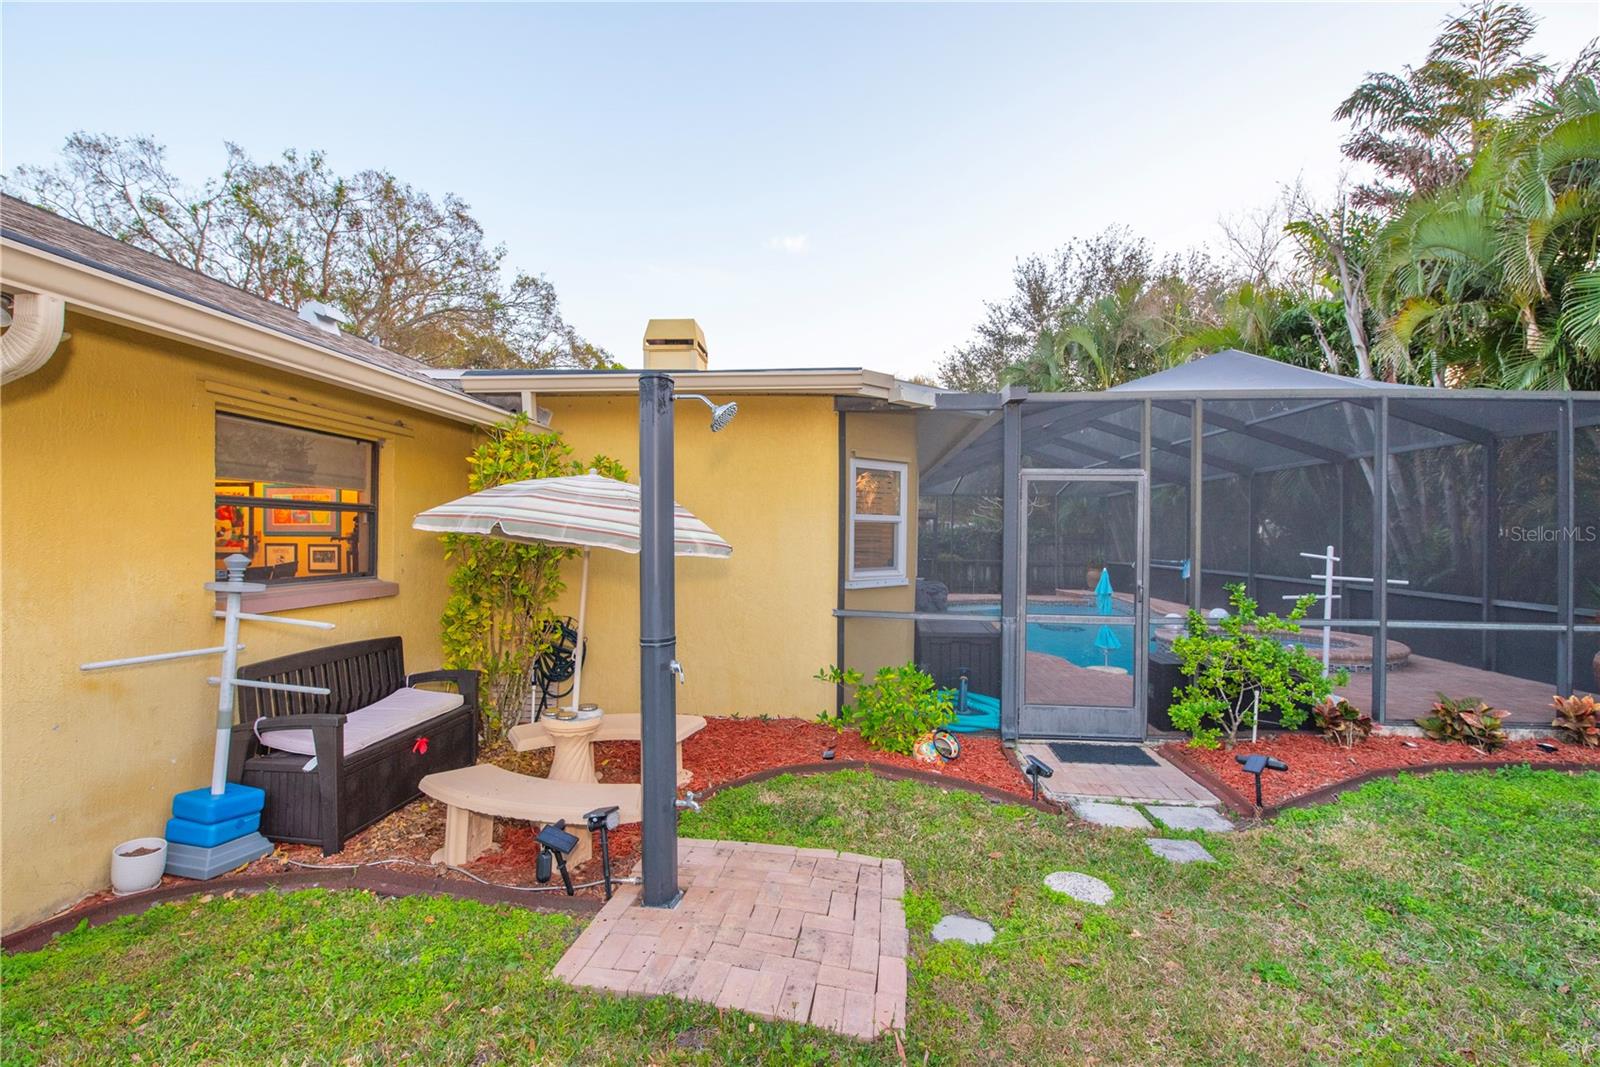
[[528, 736], [474, 796]]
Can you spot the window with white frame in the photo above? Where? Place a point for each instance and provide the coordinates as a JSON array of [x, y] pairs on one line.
[[877, 547]]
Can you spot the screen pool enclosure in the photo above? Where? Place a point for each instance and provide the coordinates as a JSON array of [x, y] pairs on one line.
[[1056, 541]]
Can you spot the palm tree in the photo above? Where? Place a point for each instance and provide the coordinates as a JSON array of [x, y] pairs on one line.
[[1250, 319], [1111, 340], [1423, 128], [1495, 277]]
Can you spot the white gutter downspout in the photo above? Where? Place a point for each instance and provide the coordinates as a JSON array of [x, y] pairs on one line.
[[37, 321]]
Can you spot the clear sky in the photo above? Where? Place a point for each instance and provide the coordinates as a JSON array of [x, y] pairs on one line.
[[818, 185]]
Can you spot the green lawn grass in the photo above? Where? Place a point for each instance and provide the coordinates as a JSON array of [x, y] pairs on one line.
[[1453, 918]]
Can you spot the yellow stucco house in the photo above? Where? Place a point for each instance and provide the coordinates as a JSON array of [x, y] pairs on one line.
[[154, 420], [1034, 551]]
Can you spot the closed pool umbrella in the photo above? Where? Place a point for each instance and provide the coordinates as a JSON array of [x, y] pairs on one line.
[[1102, 592], [583, 511], [1106, 640]]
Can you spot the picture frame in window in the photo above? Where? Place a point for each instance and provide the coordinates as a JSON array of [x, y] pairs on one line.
[[233, 524], [294, 516], [277, 553], [325, 558]]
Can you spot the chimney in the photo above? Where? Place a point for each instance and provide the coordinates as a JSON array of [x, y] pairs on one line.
[[674, 344]]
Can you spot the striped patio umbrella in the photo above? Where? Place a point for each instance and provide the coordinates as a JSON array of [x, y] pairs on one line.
[[584, 511]]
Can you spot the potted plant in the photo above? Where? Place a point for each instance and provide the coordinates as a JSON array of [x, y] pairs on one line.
[[137, 865]]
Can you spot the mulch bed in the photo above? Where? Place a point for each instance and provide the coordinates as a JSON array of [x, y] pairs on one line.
[[727, 749], [733, 748], [1318, 767]]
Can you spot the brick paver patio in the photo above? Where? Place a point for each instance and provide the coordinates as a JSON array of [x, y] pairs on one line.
[[807, 935]]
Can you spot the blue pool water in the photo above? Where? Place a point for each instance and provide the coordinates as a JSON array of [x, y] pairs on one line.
[[1075, 644], [1072, 642]]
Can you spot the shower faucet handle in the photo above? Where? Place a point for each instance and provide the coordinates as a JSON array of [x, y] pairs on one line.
[[677, 668]]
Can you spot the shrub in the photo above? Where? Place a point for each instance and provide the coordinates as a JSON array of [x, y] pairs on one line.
[[1465, 719], [1240, 669], [897, 707], [1578, 720], [1342, 722], [498, 618]]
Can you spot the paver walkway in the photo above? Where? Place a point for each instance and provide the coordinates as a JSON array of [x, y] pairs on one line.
[[1161, 784], [807, 935]]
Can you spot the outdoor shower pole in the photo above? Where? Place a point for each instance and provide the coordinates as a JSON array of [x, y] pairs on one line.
[[658, 735]]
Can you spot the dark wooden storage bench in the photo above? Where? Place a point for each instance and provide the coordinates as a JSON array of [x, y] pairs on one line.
[[343, 794]]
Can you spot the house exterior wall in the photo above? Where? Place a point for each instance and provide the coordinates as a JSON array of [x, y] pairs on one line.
[[873, 643], [752, 629], [106, 468]]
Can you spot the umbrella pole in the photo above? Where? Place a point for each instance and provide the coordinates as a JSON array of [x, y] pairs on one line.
[[583, 605]]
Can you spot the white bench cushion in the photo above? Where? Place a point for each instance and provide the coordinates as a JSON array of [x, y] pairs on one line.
[[394, 714]]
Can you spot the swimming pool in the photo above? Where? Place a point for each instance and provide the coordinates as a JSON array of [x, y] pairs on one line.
[[1072, 642], [1075, 643]]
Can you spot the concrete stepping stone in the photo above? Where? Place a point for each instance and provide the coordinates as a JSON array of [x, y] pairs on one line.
[[1188, 817], [1081, 887], [963, 928], [1179, 851], [1102, 813]]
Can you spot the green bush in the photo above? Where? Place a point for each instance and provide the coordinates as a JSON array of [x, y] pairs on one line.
[[1465, 719], [1239, 669], [898, 706], [498, 618]]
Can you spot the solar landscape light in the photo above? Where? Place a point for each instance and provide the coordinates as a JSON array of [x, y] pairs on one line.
[[556, 844], [1255, 765], [603, 821], [1035, 768]]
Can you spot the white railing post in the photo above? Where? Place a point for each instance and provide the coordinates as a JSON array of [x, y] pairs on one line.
[[1328, 596], [228, 681]]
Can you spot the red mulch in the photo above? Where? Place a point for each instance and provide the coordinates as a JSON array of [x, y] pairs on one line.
[[732, 748], [1314, 762], [728, 748]]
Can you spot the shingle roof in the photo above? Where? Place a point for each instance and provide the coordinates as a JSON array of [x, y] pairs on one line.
[[37, 228]]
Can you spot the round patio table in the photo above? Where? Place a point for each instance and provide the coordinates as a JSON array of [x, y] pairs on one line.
[[573, 760]]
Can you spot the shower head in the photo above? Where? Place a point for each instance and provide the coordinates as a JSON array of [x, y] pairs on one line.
[[721, 414]]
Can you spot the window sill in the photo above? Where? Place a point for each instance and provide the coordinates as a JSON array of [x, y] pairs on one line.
[[314, 594], [876, 583]]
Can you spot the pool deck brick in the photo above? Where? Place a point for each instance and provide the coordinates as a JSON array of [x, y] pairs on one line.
[[802, 935]]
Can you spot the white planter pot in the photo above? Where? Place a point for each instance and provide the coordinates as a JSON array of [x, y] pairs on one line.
[[135, 873]]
